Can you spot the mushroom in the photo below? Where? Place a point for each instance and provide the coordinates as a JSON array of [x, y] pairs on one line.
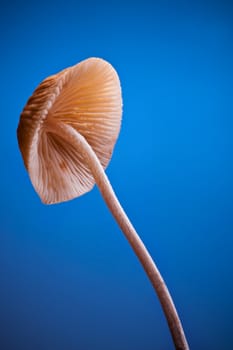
[[66, 135]]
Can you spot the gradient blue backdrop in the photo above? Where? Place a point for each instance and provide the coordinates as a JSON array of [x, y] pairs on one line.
[[68, 278]]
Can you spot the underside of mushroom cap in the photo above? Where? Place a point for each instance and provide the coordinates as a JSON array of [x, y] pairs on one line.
[[87, 97]]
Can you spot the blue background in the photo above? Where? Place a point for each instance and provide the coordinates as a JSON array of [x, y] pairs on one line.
[[68, 278]]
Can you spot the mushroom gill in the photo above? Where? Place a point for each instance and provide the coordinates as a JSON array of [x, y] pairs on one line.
[[87, 97]]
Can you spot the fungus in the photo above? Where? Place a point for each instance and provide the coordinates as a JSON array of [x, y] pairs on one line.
[[66, 135]]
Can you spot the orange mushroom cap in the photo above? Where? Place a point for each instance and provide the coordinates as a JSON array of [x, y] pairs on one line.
[[87, 97]]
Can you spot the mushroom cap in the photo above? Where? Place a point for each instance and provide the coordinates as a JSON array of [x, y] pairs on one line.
[[87, 97]]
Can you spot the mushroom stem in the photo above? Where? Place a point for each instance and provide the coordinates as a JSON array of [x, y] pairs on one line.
[[72, 136]]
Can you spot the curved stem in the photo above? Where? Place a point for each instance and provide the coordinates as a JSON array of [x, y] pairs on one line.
[[130, 233]]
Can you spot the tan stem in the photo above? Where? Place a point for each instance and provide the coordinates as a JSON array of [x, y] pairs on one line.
[[174, 323]]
